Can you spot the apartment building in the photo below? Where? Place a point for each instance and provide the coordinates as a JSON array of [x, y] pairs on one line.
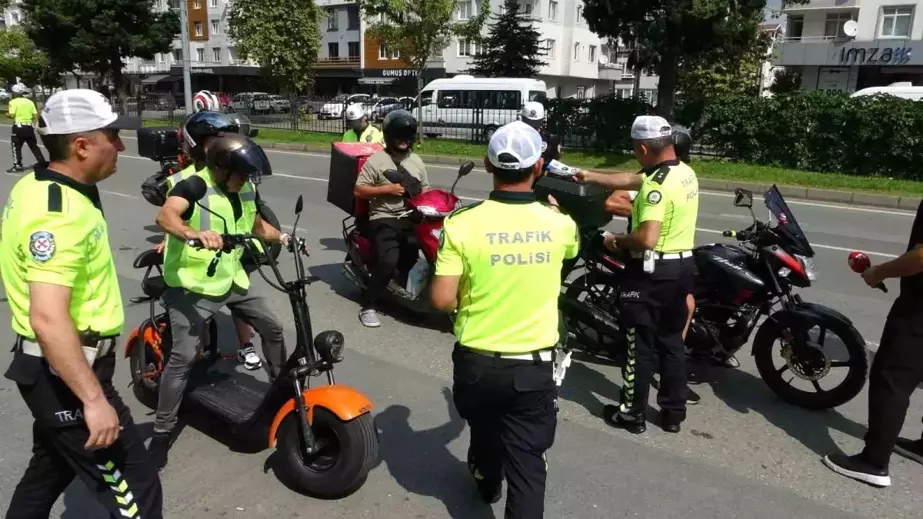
[[847, 45]]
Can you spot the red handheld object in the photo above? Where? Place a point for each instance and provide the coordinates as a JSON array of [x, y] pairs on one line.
[[859, 262]]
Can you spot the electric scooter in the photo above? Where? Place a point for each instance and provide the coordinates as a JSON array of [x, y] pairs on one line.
[[325, 434]]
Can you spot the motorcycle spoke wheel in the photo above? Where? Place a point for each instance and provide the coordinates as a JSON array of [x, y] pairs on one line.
[[600, 297]]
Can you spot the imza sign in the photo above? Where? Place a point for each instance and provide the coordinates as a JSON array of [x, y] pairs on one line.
[[875, 55]]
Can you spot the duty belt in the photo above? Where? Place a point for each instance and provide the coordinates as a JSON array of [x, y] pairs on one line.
[[663, 256], [98, 348], [544, 355]]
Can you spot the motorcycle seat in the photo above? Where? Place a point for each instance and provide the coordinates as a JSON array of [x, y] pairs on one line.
[[148, 259], [153, 286]]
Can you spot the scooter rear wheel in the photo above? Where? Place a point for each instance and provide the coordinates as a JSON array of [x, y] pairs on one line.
[[348, 452]]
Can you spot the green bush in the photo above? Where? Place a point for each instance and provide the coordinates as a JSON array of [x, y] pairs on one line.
[[873, 136]]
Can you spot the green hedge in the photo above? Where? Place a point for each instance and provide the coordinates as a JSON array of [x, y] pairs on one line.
[[877, 136]]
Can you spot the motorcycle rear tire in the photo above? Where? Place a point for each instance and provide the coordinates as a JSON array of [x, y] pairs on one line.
[[764, 345]]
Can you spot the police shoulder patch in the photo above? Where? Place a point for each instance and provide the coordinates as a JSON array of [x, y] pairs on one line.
[[41, 246], [544, 146], [654, 197], [369, 137]]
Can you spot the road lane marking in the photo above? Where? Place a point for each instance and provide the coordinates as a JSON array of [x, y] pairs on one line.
[[893, 212]]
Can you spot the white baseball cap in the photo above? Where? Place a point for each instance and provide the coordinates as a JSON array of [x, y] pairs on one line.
[[81, 110], [533, 110], [514, 146], [354, 112], [648, 127]]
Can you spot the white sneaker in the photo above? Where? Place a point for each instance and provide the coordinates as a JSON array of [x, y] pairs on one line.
[[248, 357], [369, 318]]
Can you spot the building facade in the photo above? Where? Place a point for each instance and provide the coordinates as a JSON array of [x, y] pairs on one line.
[[847, 45]]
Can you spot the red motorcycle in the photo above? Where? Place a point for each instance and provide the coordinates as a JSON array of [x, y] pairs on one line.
[[427, 209]]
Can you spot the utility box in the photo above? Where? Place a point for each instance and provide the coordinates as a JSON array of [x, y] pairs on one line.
[[585, 203], [346, 160]]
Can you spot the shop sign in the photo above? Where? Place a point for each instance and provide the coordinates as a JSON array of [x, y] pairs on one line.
[[875, 55], [399, 72]]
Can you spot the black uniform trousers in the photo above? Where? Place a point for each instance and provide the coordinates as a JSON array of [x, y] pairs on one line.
[[124, 482], [395, 250], [509, 405], [653, 311], [896, 372], [24, 134]]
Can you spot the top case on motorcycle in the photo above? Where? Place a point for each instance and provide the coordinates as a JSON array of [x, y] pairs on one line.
[[346, 161]]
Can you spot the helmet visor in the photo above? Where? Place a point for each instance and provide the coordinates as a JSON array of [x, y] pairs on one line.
[[250, 162]]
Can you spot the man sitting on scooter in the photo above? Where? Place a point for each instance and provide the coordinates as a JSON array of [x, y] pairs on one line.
[[234, 163], [390, 232]]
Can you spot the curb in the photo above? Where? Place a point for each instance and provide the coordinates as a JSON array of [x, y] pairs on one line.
[[793, 192]]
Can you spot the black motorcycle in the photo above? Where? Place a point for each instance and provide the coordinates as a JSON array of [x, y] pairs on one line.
[[735, 286]]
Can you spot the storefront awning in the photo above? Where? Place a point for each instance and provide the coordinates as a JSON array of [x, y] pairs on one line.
[[376, 80], [154, 79]]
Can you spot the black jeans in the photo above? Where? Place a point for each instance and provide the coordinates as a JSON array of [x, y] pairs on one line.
[[510, 407], [653, 308], [395, 249], [896, 372], [124, 482], [24, 135]]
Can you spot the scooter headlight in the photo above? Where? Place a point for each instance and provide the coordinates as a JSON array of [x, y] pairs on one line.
[[329, 345]]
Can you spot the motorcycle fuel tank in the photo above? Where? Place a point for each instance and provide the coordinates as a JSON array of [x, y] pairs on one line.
[[724, 268]]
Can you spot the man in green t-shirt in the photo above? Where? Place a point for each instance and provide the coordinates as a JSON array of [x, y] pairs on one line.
[[24, 114]]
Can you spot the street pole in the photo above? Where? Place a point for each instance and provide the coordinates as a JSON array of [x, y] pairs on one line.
[[184, 36]]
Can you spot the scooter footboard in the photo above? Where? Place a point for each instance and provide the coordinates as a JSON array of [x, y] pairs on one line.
[[343, 401]]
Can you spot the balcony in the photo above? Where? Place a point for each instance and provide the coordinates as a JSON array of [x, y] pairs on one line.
[[822, 5], [836, 52], [348, 62]]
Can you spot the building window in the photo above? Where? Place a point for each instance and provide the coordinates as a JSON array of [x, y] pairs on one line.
[[576, 52], [216, 27], [396, 54], [352, 18], [527, 7], [200, 54], [553, 11], [352, 49], [382, 51], [177, 54], [833, 26], [468, 48], [333, 20], [550, 46], [795, 28], [197, 4], [160, 58], [579, 19], [216, 54], [333, 50], [895, 22], [592, 53], [581, 92], [465, 9], [214, 3]]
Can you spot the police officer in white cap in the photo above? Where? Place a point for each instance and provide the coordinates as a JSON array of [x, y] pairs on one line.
[[653, 296], [359, 128], [533, 114]]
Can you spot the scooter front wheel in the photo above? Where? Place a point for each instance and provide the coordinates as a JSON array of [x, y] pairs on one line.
[[348, 450]]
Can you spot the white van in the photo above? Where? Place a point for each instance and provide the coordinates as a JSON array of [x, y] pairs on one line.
[[455, 107], [904, 90]]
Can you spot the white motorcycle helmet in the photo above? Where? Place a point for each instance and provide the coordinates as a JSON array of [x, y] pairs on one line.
[[354, 114], [205, 101], [18, 88], [533, 114]]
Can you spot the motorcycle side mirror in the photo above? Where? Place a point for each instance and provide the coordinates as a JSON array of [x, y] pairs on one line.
[[465, 168], [743, 198], [254, 132], [299, 204]]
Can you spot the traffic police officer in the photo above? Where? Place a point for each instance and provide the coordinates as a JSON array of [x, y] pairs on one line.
[[897, 370], [359, 128], [24, 114], [499, 265], [653, 296], [533, 114], [64, 295]]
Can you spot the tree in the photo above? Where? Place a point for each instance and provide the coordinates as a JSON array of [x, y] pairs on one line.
[[20, 58], [670, 33], [281, 35], [787, 80], [419, 30], [512, 46], [717, 74], [95, 35]]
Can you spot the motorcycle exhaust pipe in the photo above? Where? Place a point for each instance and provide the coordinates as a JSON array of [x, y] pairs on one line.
[[587, 315]]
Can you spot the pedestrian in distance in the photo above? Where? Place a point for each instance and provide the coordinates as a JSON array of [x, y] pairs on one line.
[[24, 114]]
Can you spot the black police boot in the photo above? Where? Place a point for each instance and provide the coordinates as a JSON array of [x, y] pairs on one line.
[[159, 447], [490, 492], [614, 418], [15, 169]]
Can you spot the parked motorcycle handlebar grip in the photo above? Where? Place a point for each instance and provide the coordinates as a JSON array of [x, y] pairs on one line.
[[195, 243], [881, 286]]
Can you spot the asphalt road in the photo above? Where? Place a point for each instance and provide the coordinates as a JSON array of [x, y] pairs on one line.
[[742, 453]]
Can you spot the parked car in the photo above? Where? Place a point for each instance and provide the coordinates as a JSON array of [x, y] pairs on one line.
[[279, 104], [383, 106], [250, 102], [337, 107]]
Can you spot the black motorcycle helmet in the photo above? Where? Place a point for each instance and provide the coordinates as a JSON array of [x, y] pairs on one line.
[[682, 142], [237, 154], [199, 126], [399, 126]]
